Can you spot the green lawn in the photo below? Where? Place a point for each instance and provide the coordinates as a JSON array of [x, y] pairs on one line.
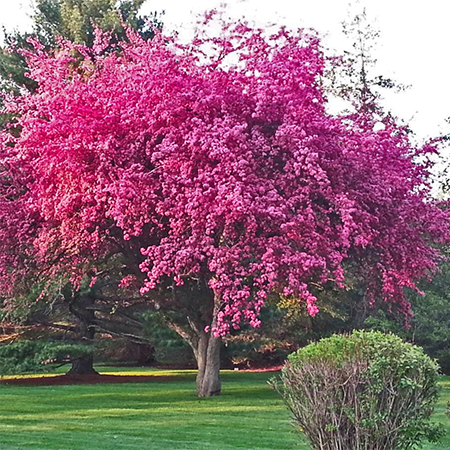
[[153, 416]]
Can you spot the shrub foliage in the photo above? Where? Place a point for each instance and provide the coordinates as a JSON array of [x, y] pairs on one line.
[[36, 356], [367, 390]]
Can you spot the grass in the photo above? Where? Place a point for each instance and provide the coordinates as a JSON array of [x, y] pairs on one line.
[[155, 416]]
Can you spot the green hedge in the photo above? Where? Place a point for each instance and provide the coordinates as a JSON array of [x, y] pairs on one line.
[[36, 356]]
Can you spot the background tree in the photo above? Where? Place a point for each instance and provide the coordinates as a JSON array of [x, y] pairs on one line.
[[213, 183], [430, 326], [74, 20], [354, 77], [78, 315]]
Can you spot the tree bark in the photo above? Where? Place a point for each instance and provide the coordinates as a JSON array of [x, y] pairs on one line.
[[208, 357], [80, 308], [205, 346], [83, 366], [208, 362]]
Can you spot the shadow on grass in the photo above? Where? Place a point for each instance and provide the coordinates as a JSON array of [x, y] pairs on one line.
[[64, 380]]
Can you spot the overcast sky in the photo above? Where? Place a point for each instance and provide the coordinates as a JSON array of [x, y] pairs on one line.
[[413, 47]]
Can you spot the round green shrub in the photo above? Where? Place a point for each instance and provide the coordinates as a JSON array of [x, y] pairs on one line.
[[366, 390]]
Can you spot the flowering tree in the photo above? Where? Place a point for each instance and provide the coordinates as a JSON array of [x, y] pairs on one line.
[[208, 175]]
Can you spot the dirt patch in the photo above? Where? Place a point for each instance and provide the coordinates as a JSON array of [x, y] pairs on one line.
[[61, 380]]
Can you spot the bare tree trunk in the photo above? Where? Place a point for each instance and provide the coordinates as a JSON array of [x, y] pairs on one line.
[[208, 357], [205, 346], [79, 307], [208, 361], [83, 366]]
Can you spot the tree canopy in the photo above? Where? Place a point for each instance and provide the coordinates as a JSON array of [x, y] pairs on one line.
[[212, 175]]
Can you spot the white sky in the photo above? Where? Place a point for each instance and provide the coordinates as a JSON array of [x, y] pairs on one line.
[[413, 47]]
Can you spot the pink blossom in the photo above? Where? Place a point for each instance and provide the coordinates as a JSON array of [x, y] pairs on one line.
[[193, 170]]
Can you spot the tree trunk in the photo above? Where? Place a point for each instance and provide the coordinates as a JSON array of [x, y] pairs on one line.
[[80, 308], [208, 362], [205, 346], [83, 366]]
